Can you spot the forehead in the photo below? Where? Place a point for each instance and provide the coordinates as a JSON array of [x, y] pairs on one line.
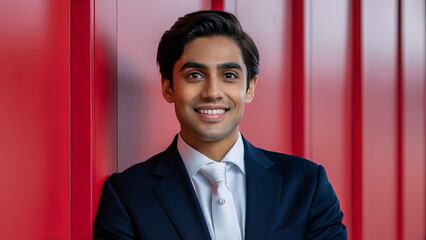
[[211, 50]]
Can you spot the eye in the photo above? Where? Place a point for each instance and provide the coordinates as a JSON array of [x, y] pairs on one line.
[[230, 75], [195, 75]]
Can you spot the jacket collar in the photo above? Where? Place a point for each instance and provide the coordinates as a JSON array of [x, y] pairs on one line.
[[263, 193], [177, 197]]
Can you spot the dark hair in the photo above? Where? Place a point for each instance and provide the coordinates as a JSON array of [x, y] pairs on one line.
[[204, 24]]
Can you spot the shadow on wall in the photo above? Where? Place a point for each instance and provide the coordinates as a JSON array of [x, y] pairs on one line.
[[146, 122]]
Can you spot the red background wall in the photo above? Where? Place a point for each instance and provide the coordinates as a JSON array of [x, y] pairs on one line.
[[342, 83], [34, 120]]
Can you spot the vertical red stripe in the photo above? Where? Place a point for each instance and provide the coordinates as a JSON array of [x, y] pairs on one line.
[[217, 5], [356, 38], [399, 128], [81, 121], [93, 108], [298, 84]]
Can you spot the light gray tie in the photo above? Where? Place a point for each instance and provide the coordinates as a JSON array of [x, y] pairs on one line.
[[225, 220]]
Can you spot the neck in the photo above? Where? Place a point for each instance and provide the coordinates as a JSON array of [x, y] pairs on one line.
[[214, 150]]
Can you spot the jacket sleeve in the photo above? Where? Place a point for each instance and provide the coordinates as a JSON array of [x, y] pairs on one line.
[[325, 217], [112, 220]]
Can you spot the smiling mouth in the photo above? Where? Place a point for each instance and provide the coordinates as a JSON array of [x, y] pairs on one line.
[[211, 111]]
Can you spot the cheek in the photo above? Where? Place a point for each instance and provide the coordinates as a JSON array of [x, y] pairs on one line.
[[183, 98], [240, 97]]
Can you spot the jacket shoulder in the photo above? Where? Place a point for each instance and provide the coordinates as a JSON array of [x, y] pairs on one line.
[[289, 164], [136, 176]]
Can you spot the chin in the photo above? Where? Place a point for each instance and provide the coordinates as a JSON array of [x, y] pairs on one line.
[[214, 136]]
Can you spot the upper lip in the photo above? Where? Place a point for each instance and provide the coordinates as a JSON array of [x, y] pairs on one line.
[[212, 107]]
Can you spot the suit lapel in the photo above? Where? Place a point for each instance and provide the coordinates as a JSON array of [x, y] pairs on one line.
[[177, 197], [263, 193]]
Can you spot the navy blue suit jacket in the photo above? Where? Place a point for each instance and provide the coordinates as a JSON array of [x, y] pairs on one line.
[[287, 198]]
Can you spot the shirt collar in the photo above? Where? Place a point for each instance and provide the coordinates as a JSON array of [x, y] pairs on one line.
[[194, 160]]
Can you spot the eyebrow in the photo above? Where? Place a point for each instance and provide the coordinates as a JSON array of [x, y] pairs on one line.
[[229, 65], [193, 65], [224, 65]]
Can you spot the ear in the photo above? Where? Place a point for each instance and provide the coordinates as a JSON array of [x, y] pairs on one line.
[[167, 90], [250, 90]]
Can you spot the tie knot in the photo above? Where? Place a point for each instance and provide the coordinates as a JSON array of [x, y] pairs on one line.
[[214, 171]]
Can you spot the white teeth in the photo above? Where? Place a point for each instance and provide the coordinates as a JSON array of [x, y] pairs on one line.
[[211, 112]]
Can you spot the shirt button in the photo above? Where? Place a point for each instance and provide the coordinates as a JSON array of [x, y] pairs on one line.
[[222, 201]]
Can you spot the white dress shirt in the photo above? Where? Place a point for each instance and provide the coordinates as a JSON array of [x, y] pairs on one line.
[[235, 175]]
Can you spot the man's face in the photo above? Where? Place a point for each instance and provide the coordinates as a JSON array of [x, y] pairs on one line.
[[209, 89]]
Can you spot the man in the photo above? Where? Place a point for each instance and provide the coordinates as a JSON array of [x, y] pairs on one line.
[[211, 183]]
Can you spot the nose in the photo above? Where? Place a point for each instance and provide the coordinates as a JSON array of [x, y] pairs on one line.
[[212, 89]]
